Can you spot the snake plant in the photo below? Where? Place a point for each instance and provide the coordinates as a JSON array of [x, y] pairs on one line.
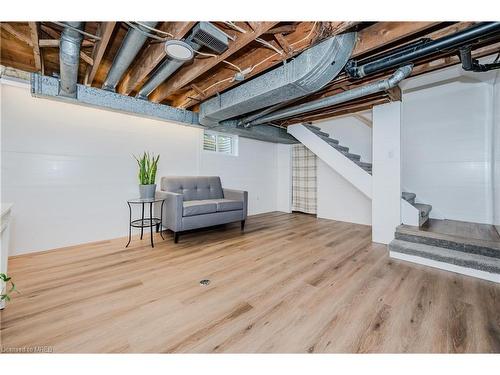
[[148, 165], [6, 287]]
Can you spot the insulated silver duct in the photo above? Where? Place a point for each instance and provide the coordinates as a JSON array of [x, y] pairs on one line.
[[301, 76], [69, 58], [165, 70], [358, 92], [131, 45]]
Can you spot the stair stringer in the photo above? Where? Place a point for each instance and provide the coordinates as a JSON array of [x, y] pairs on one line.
[[410, 215], [334, 158]]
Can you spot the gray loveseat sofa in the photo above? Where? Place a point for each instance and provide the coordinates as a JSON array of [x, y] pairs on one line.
[[198, 202]]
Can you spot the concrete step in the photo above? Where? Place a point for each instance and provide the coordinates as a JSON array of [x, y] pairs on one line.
[[364, 165], [313, 127], [459, 260], [424, 209], [353, 157], [462, 244], [339, 147], [409, 197], [318, 131], [329, 140]]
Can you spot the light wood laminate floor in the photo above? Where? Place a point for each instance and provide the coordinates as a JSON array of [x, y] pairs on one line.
[[289, 283]]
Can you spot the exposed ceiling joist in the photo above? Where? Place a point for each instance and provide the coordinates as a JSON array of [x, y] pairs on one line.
[[54, 43], [188, 74], [363, 119], [105, 31], [24, 38], [305, 35], [152, 56], [381, 33], [284, 29], [36, 47], [394, 94]]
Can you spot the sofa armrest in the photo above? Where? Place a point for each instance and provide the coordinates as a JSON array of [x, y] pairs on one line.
[[172, 212], [238, 195]]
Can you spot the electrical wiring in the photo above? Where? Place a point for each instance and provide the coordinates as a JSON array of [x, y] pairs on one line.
[[269, 45], [250, 69], [224, 61], [91, 36], [235, 27], [153, 29], [292, 44], [149, 35]]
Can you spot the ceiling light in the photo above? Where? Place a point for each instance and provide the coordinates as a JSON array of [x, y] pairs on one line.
[[178, 50]]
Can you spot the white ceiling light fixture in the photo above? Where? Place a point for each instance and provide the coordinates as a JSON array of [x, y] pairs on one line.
[[179, 50]]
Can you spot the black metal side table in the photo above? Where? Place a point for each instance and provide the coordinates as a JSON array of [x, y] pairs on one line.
[[145, 222]]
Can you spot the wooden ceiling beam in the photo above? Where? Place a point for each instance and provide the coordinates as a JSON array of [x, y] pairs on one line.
[[35, 45], [261, 58], [363, 119], [394, 94], [24, 38], [86, 58], [188, 74], [383, 33], [105, 31], [284, 29], [152, 56], [285, 46], [54, 43]]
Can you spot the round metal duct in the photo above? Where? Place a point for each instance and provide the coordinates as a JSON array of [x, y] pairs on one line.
[[178, 50]]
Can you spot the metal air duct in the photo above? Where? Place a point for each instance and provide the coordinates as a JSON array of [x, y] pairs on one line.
[[346, 96], [301, 76], [203, 34], [131, 45], [69, 58]]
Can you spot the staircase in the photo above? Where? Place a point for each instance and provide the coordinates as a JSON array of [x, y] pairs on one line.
[[338, 157], [467, 256], [357, 172], [423, 209], [356, 159]]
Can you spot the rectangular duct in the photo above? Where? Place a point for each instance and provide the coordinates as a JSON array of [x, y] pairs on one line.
[[206, 34], [48, 87]]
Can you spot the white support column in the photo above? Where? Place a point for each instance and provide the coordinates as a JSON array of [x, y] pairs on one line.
[[386, 188]]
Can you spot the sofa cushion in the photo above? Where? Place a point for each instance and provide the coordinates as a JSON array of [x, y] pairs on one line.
[[199, 207], [228, 205], [194, 188]]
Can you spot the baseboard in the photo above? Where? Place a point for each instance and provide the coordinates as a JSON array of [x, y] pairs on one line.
[[446, 266]]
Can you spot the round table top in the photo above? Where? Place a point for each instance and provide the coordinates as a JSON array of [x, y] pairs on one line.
[[145, 200]]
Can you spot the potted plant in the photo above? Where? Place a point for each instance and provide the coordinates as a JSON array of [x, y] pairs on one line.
[[6, 289], [148, 165]]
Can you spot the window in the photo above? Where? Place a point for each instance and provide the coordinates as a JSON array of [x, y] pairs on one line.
[[223, 143]]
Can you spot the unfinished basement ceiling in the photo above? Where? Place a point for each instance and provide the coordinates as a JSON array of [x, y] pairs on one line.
[[253, 47]]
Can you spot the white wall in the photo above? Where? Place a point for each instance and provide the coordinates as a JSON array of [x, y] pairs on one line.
[[68, 169], [496, 151], [386, 187], [446, 152], [337, 198], [284, 178]]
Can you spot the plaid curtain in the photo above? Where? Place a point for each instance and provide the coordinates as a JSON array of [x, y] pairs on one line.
[[303, 180]]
